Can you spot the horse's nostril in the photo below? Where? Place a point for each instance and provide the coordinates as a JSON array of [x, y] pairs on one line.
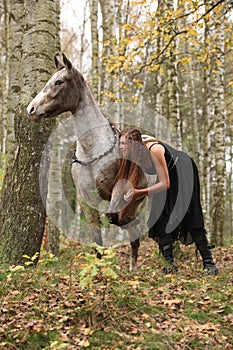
[[32, 110]]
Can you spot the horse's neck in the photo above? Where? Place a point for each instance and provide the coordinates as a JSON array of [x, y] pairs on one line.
[[93, 131]]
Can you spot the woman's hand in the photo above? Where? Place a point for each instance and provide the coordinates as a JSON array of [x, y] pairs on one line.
[[131, 194]]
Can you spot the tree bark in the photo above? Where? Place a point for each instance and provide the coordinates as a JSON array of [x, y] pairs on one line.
[[172, 87], [3, 80], [207, 120], [109, 42], [95, 47], [219, 137], [33, 41]]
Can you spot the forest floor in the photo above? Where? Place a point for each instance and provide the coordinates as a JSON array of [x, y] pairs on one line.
[[76, 302]]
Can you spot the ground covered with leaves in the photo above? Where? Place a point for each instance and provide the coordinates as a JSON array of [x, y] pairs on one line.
[[78, 302]]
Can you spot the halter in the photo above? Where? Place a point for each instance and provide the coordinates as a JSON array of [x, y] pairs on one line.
[[82, 162]]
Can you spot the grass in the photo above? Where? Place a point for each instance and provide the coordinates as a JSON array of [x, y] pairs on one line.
[[45, 307]]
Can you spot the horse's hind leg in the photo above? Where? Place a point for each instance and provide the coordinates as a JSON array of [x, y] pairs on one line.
[[134, 235]]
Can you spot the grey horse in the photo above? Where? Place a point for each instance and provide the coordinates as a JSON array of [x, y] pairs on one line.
[[96, 159]]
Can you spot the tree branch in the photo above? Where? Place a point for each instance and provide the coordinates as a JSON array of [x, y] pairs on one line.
[[213, 6]]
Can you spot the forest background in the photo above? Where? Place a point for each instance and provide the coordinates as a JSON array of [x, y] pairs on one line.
[[166, 59], [170, 61]]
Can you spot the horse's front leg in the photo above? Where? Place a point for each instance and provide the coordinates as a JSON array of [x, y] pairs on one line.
[[134, 233], [91, 231]]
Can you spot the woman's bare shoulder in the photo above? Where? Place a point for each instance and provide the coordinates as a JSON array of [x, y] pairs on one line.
[[155, 147]]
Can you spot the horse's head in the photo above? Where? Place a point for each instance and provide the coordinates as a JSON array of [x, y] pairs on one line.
[[62, 93]]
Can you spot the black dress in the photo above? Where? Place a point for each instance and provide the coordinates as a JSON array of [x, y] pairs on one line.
[[178, 210]]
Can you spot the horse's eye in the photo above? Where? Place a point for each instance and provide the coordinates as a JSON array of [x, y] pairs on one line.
[[59, 82]]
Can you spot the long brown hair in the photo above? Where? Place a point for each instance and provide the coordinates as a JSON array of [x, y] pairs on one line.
[[131, 168]]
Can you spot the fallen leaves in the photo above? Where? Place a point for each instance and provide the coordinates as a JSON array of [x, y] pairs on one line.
[[173, 303], [135, 311], [84, 343]]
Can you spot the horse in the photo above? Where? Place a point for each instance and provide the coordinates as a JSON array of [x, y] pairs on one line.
[[96, 159]]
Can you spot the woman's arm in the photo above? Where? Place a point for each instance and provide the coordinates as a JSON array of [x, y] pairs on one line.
[[157, 152]]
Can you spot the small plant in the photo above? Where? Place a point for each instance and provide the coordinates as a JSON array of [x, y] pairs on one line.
[[18, 268], [47, 258], [103, 269], [30, 260]]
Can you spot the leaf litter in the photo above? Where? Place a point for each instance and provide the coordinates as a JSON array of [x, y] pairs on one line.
[[46, 308]]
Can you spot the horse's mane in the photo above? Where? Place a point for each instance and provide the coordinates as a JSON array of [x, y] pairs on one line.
[[111, 120]]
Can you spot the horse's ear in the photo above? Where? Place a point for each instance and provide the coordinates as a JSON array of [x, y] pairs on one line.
[[57, 63], [67, 63]]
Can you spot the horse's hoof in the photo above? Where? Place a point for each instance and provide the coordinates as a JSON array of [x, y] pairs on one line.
[[133, 265]]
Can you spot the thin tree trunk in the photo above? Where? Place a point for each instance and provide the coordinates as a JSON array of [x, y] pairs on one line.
[[159, 119], [196, 142], [109, 42], [219, 189], [13, 10], [206, 148], [3, 80], [54, 200], [173, 90], [95, 47], [230, 185]]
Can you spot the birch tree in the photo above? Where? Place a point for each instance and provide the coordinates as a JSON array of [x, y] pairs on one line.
[[219, 125], [95, 47], [108, 9], [206, 117], [172, 83], [3, 80]]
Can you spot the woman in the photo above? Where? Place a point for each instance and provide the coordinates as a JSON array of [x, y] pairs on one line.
[[176, 209]]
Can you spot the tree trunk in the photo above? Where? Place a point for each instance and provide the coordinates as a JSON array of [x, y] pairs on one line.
[[159, 80], [206, 116], [172, 87], [3, 80], [219, 188], [109, 42], [95, 47], [22, 215], [230, 183]]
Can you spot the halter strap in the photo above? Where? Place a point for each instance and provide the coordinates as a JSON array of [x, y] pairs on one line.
[[82, 162]]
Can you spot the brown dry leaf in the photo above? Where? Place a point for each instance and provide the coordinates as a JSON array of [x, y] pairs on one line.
[[133, 283], [69, 303], [64, 337], [84, 343], [145, 292], [14, 292], [148, 325], [208, 327], [134, 330], [172, 302], [88, 331], [152, 302]]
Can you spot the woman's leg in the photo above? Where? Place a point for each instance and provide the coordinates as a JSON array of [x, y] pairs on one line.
[[166, 247], [200, 238]]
